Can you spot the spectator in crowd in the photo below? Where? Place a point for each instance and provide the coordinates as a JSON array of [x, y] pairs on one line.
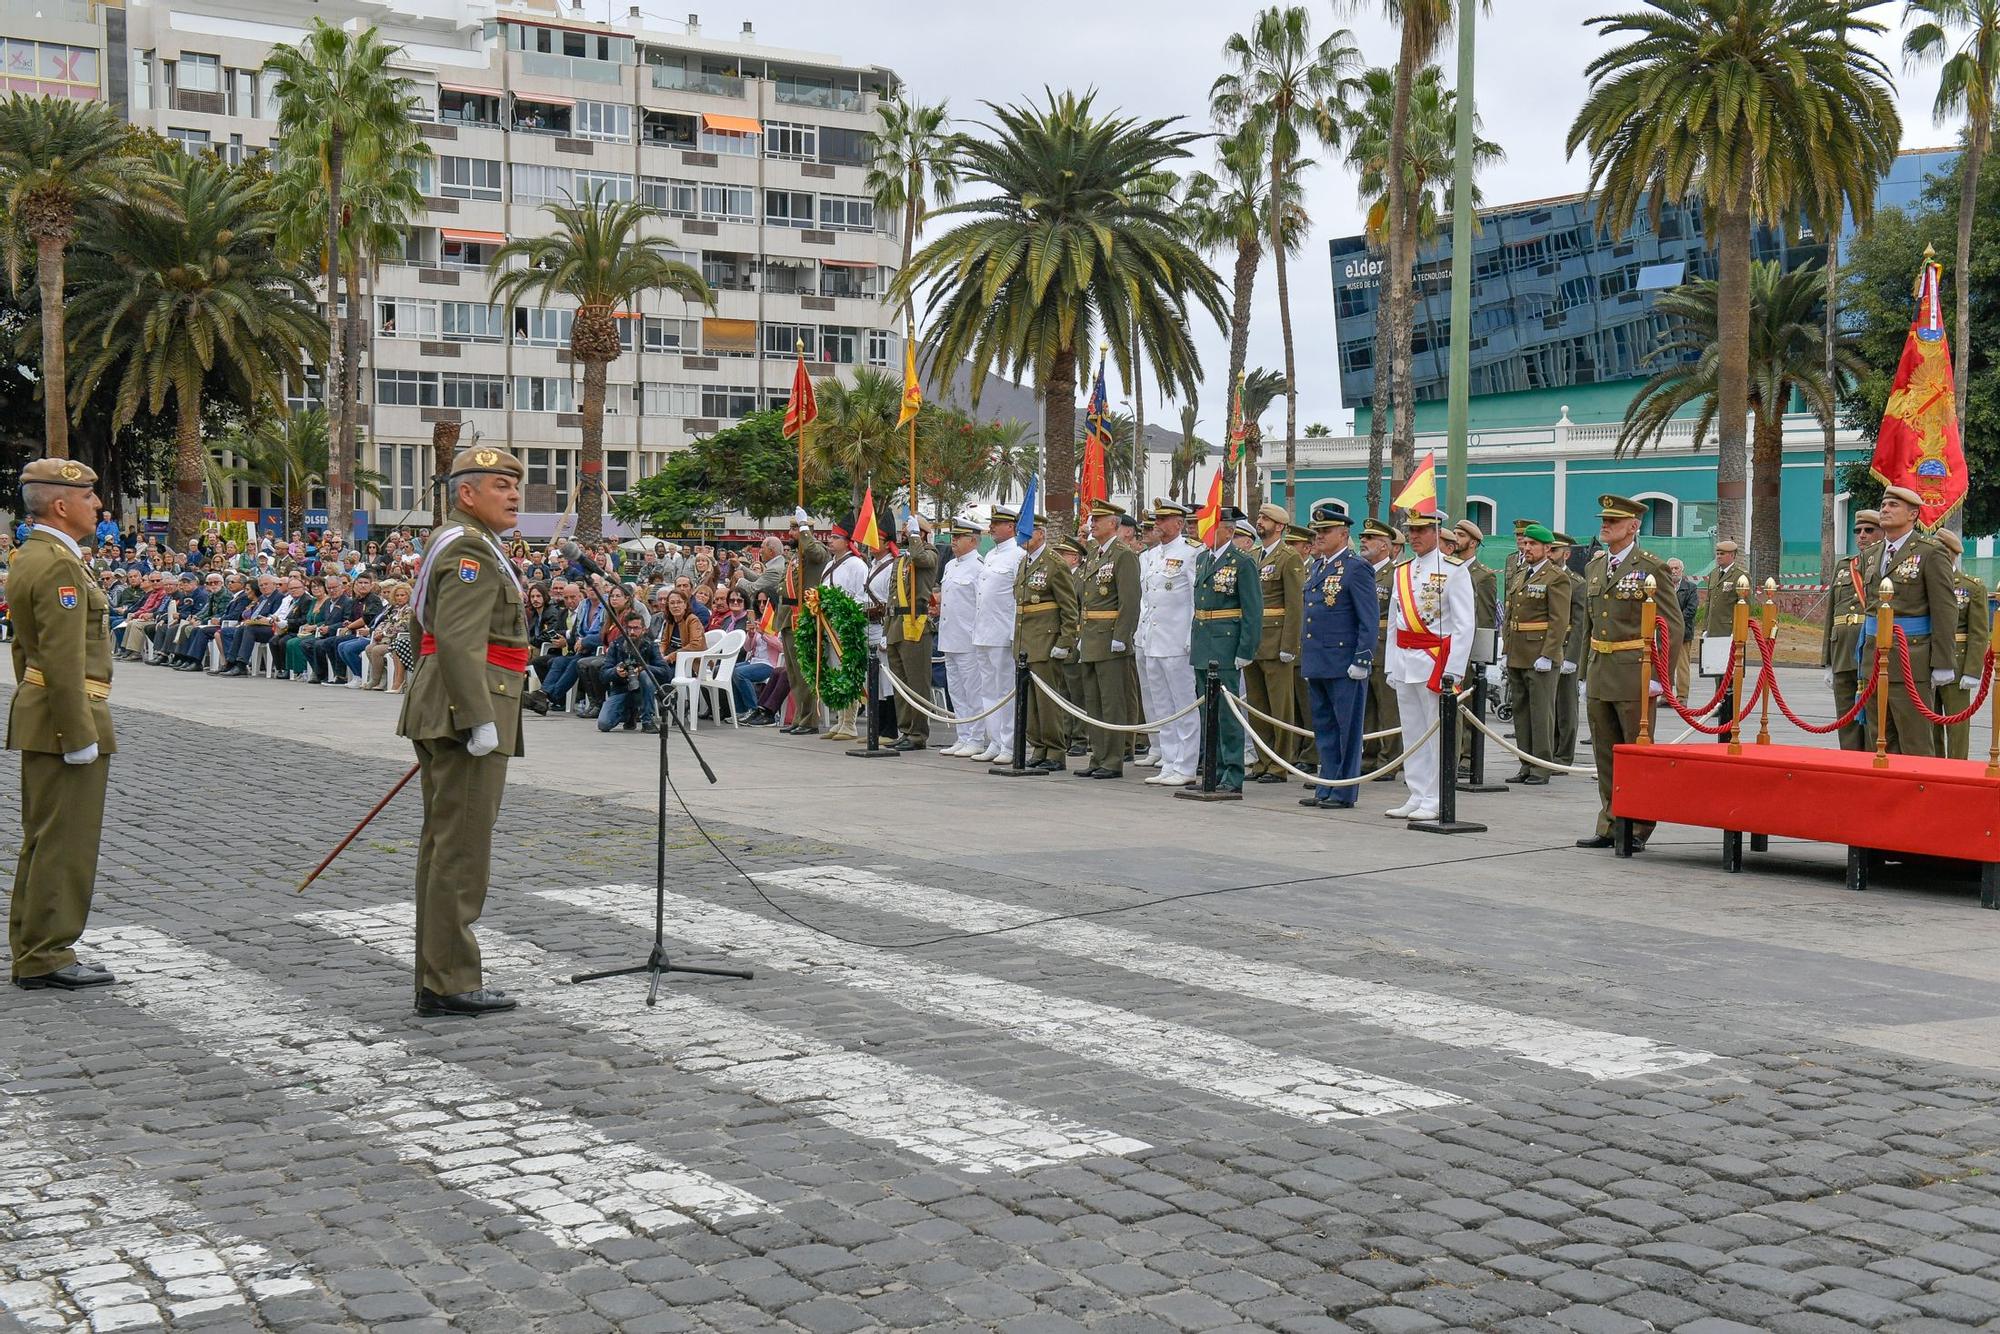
[[684, 585], [335, 615], [352, 638], [309, 619], [107, 529], [762, 661], [228, 603], [190, 601], [590, 671], [391, 621], [140, 620], [683, 631], [129, 592], [254, 627], [286, 623], [585, 634], [627, 698]]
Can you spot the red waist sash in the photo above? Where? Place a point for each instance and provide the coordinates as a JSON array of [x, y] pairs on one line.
[[514, 659]]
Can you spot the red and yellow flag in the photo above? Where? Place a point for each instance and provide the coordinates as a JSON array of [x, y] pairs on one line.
[[913, 389], [1919, 444], [867, 532], [803, 408], [1208, 519], [1420, 494]]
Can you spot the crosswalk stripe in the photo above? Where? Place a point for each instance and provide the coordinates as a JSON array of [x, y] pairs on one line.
[[91, 1248], [1160, 1049], [1419, 1014], [936, 1119], [561, 1175]]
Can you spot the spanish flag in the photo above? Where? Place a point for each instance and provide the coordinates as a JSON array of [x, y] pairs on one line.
[[867, 532], [913, 389], [1208, 519], [1420, 494], [768, 622]]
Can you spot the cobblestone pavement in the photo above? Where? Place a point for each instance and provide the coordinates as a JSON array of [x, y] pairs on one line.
[[1175, 1119]]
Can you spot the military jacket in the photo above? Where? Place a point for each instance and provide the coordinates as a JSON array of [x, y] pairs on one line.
[[1485, 595], [1385, 588], [1846, 610], [1922, 596], [1718, 615], [1577, 648], [1281, 579], [1538, 615], [1109, 601], [1975, 625], [1619, 666], [915, 580], [806, 569], [62, 634], [1339, 605], [1228, 610], [471, 604], [1045, 606]]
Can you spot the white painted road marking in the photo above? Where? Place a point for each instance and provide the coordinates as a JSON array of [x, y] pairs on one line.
[[88, 1248], [562, 1176], [936, 1119], [1159, 1049], [1417, 1014]]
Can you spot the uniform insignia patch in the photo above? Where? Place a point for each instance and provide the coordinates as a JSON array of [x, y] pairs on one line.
[[468, 570], [72, 472], [67, 597]]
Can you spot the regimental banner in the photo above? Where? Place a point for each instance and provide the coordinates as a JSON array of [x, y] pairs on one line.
[[1919, 444]]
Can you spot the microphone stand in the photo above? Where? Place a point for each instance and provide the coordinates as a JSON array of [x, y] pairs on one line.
[[658, 963]]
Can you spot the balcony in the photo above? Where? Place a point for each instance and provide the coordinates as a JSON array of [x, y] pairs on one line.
[[696, 81], [825, 99], [546, 66]]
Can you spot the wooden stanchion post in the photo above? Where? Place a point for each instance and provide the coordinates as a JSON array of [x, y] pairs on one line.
[[1885, 644], [1649, 615], [1739, 633], [1768, 616]]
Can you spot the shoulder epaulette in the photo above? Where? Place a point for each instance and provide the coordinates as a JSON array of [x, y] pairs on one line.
[[1454, 560]]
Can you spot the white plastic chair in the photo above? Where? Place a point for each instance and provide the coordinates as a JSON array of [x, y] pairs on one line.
[[720, 679], [261, 659], [707, 672]]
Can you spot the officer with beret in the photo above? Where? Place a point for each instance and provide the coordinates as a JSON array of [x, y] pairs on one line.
[[1338, 652], [462, 711], [60, 721], [1537, 639], [1924, 601], [1849, 605]]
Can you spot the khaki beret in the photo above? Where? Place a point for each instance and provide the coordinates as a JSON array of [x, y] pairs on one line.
[[1470, 529], [1904, 494], [1725, 545], [1276, 513], [59, 472], [1950, 541], [487, 459]]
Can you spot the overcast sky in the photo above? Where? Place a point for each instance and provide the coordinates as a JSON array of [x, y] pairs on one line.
[[1158, 59]]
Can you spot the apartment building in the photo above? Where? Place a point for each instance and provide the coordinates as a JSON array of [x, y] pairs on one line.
[[755, 155]]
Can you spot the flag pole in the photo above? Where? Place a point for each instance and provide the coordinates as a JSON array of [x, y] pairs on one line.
[[799, 350], [910, 334], [1458, 406]]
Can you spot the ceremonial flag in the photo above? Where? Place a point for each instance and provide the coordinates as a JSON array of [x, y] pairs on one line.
[[1919, 444], [867, 532], [1025, 529], [1420, 494], [913, 389], [1236, 425], [803, 407], [1095, 484], [768, 622], [1208, 519]]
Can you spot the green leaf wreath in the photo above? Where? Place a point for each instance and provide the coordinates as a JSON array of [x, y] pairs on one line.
[[838, 682]]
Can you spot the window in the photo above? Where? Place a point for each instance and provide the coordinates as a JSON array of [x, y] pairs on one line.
[[535, 327], [788, 208], [142, 80], [728, 143], [543, 393], [728, 202], [604, 120], [783, 340], [668, 335], [800, 143], [472, 322], [537, 184], [550, 467], [728, 402], [400, 469], [605, 185], [406, 389], [843, 213], [617, 471], [423, 170], [193, 142], [845, 148], [838, 345], [481, 392], [406, 319], [669, 400], [676, 199], [879, 343], [241, 86], [468, 108], [465, 254], [469, 177], [197, 73], [848, 280], [668, 129]]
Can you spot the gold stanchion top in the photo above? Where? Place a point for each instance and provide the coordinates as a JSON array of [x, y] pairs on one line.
[[1742, 584], [1652, 584], [1887, 590]]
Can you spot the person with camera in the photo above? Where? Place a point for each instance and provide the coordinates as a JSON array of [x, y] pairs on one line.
[[628, 660]]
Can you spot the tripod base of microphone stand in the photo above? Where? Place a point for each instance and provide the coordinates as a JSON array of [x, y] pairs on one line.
[[658, 967]]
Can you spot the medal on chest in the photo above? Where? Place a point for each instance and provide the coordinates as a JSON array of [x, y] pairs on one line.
[[1038, 580], [1908, 571], [1225, 579], [1430, 596], [1329, 590]]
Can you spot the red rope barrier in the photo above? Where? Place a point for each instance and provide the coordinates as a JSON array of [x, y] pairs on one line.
[[1657, 650], [1910, 688], [1867, 692]]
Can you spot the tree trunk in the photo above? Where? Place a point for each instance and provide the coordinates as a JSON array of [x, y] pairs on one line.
[[1968, 206], [339, 501], [444, 443], [590, 463], [1239, 350], [184, 509], [55, 368], [909, 246], [1379, 406], [1402, 260], [1829, 536], [1767, 536], [1059, 441], [1284, 328], [1732, 324], [1253, 470], [1138, 427], [350, 358]]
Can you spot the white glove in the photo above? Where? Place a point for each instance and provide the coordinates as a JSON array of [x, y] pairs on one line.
[[1653, 688], [1356, 672], [1569, 669], [1058, 653], [87, 755], [1968, 683], [1941, 676], [1117, 646], [485, 739], [1826, 678], [1287, 657], [801, 518], [1543, 665], [1241, 663], [911, 526]]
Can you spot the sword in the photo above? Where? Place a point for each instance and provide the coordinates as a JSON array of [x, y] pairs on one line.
[[355, 832]]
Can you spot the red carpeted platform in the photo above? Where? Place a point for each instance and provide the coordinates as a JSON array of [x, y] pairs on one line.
[[1933, 808]]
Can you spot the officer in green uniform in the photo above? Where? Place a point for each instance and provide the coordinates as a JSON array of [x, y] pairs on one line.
[[1848, 605], [909, 630], [1537, 638], [1971, 634], [1270, 681], [1045, 623], [1462, 540], [60, 721], [1070, 554], [1228, 628], [1924, 600], [1718, 615], [806, 568], [1381, 713], [1620, 679], [1109, 607], [462, 711], [1574, 653]]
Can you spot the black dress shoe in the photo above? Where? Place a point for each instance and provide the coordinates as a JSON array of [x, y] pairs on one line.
[[1595, 841], [1519, 778], [1535, 780], [1230, 787], [1107, 773], [1078, 752], [805, 731], [1270, 778], [909, 743], [1051, 766], [1313, 801], [70, 977], [649, 726], [430, 1004]]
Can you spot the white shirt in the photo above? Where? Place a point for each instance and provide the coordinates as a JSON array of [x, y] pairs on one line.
[[1445, 603], [994, 626], [60, 536], [850, 576], [880, 587], [1166, 607], [958, 601], [1889, 549]]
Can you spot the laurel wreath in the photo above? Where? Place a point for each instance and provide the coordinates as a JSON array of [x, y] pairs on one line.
[[840, 681]]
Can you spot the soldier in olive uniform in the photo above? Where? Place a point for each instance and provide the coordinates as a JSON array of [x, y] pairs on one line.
[[1229, 624], [1381, 714], [1620, 680], [1718, 616], [1463, 540], [462, 711], [1574, 653], [1972, 632], [1849, 604], [1924, 600], [804, 569], [1110, 611], [1537, 638], [909, 631], [60, 721], [1045, 621], [1070, 554], [1269, 680]]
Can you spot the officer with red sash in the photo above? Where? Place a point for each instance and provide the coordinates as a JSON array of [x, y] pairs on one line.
[[1432, 615]]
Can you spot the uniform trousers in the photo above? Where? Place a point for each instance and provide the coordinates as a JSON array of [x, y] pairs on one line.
[[1167, 687], [1133, 695], [966, 683], [1417, 707], [1380, 715], [1073, 728], [1229, 738], [1105, 698], [1566, 711], [1337, 704], [805, 700], [1954, 741], [1854, 736], [62, 820], [1909, 733], [996, 678], [910, 659], [462, 794], [1048, 738], [1267, 684], [1614, 722], [1305, 749], [1534, 695]]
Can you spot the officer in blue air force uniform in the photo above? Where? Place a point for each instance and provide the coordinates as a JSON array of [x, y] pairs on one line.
[[1337, 652]]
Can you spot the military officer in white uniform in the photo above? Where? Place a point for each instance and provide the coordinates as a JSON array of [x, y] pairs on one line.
[[958, 612], [1431, 620], [1166, 618], [847, 570], [993, 636]]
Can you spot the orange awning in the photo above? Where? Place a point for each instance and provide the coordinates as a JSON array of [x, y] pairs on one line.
[[478, 238], [732, 124], [849, 263], [550, 99]]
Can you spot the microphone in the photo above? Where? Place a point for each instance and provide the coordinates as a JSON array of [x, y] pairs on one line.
[[572, 552]]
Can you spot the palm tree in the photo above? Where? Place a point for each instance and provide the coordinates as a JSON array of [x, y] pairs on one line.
[[856, 431], [285, 453], [1788, 355], [1188, 455], [176, 304], [1761, 109], [1430, 152], [1287, 89], [1017, 457], [1062, 248], [915, 164], [337, 97], [1231, 211], [1968, 82], [596, 257], [1261, 388], [61, 160]]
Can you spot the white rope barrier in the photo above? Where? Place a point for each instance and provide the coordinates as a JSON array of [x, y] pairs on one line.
[[1466, 715], [1315, 780], [1264, 717], [1151, 725], [914, 698]]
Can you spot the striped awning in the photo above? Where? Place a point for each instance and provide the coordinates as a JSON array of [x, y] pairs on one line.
[[475, 237]]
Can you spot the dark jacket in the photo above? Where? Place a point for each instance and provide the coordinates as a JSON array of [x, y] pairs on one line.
[[1690, 599]]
